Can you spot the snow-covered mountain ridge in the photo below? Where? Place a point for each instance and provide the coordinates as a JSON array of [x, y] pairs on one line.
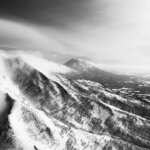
[[48, 111]]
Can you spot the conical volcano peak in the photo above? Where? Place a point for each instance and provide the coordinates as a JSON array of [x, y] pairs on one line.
[[79, 64]]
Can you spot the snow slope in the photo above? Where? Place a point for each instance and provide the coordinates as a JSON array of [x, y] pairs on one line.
[[52, 112]]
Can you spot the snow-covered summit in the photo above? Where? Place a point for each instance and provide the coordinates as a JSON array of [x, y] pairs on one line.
[[79, 64]]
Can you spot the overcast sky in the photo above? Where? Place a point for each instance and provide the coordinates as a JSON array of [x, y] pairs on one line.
[[111, 32]]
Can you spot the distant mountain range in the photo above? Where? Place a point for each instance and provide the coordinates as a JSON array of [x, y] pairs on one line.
[[73, 107]]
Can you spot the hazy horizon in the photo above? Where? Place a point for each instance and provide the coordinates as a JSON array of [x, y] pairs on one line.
[[112, 33]]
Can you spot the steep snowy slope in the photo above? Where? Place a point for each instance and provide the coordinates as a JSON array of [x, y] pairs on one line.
[[50, 112]]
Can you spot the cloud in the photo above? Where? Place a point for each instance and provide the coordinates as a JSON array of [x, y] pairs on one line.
[[60, 13], [23, 36], [108, 32], [123, 39]]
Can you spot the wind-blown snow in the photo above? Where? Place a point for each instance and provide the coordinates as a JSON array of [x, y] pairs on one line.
[[37, 62]]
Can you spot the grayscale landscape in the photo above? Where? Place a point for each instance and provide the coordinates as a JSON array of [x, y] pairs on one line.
[[74, 75]]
